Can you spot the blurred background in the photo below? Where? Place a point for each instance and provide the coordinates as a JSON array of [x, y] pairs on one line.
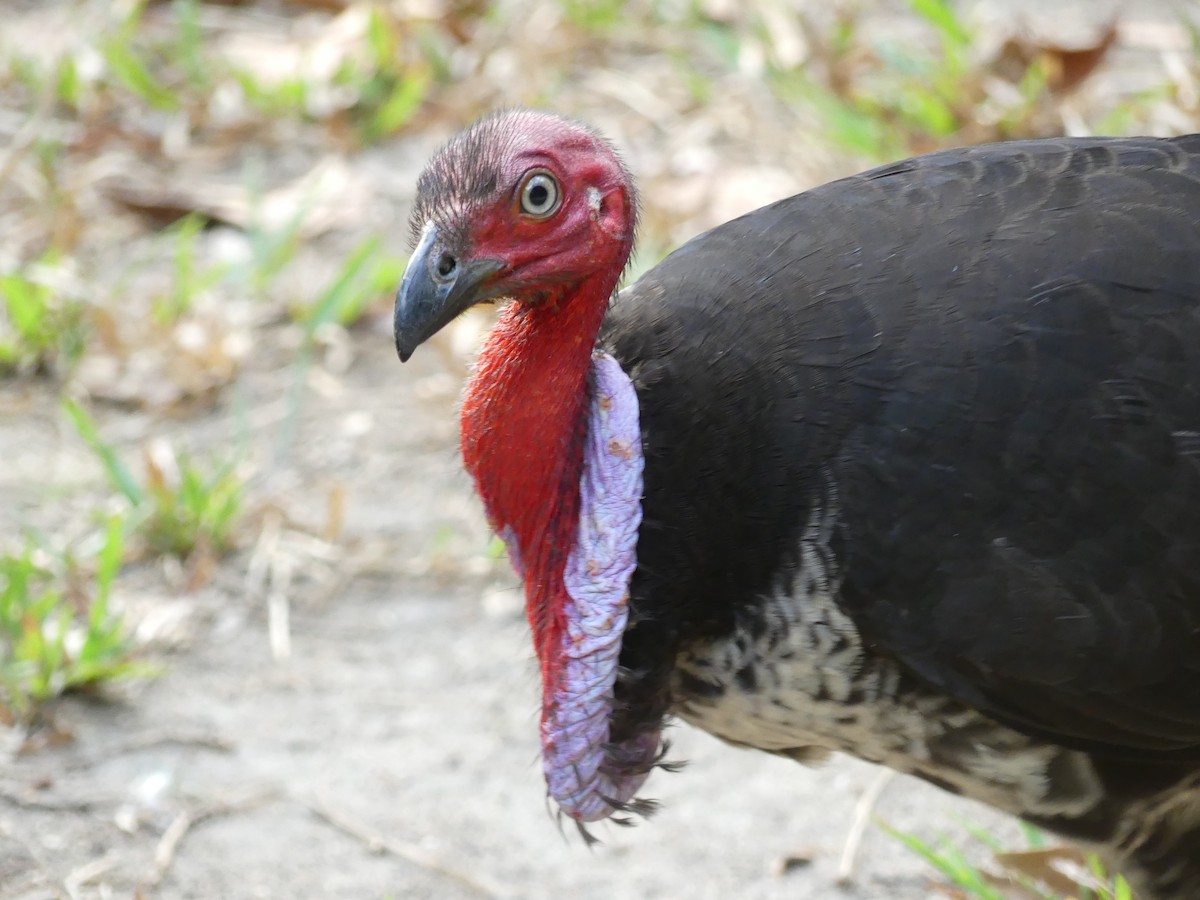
[[255, 638]]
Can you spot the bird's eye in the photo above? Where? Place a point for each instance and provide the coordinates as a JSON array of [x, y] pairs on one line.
[[539, 195]]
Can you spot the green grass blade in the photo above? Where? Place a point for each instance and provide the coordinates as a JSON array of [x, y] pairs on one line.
[[117, 473], [336, 295]]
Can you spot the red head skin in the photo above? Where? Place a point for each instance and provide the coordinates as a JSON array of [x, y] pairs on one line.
[[523, 416]]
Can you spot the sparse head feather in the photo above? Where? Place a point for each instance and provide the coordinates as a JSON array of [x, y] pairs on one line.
[[482, 163]]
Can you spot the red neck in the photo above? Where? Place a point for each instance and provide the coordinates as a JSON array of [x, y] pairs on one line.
[[523, 424]]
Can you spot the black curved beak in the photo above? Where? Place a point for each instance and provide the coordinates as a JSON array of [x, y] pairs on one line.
[[437, 287]]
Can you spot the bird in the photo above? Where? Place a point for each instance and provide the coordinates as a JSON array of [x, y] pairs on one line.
[[905, 466]]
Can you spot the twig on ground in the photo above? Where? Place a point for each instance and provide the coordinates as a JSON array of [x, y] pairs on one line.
[[18, 795], [862, 816], [279, 614], [264, 550], [168, 844], [164, 853], [378, 843], [87, 873], [270, 569], [149, 741]]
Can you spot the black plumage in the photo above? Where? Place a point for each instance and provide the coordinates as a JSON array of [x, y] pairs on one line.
[[922, 460], [994, 355]]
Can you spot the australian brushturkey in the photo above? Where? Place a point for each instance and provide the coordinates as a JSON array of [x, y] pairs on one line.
[[905, 466]]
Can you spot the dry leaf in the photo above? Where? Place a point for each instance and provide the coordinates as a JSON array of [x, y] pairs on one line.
[[50, 733], [949, 890], [1066, 67], [163, 367], [162, 466], [790, 862], [1057, 868], [327, 197], [328, 5], [313, 58], [335, 513], [201, 565]]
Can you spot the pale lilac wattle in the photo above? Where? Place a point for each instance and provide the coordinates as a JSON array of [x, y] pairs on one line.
[[585, 775]]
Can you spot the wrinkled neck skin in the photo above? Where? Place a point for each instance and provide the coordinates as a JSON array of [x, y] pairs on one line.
[[523, 427]]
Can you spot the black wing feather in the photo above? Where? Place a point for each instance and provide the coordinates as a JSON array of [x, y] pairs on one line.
[[995, 353]]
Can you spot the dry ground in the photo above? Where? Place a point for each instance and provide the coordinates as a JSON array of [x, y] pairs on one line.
[[348, 703]]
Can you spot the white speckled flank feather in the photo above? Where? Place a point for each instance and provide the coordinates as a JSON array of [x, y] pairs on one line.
[[800, 683]]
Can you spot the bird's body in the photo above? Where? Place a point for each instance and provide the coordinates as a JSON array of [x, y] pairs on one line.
[[921, 457]]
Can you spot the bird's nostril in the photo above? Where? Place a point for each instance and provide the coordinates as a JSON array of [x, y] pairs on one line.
[[446, 265]]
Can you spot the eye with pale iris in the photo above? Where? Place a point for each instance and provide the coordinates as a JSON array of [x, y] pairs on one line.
[[539, 195]]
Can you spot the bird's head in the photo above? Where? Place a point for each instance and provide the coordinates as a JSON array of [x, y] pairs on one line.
[[522, 204], [539, 209]]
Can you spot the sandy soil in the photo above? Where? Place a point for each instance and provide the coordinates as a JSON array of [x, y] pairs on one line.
[[350, 711]]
